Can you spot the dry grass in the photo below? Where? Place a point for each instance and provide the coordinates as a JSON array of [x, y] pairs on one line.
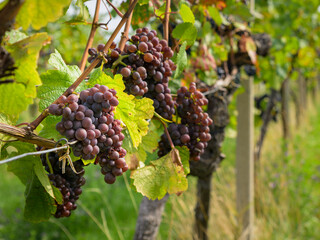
[[277, 211]]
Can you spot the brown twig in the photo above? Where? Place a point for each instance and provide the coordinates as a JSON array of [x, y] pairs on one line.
[[125, 34], [94, 27], [115, 8], [24, 135], [166, 21], [168, 135], [86, 72]]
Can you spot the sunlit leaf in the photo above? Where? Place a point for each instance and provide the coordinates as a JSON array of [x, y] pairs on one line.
[[161, 176], [38, 13]]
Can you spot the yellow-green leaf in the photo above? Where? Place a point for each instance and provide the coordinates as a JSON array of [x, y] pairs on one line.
[[39, 13], [186, 13], [215, 15], [164, 175], [16, 96]]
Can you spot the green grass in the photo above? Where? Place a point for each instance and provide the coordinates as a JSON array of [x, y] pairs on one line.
[[287, 198], [109, 202]]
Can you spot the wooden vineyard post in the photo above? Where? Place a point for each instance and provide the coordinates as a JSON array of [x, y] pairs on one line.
[[245, 160]]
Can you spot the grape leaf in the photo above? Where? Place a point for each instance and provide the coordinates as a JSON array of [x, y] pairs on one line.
[[2, 4], [6, 120], [185, 157], [38, 13], [185, 32], [55, 82], [142, 2], [181, 60], [163, 175], [25, 168], [39, 205], [137, 125], [84, 11], [141, 13], [15, 97], [186, 14], [43, 177], [99, 77], [149, 143], [22, 168], [161, 10], [14, 36], [40, 194], [49, 128], [215, 15], [131, 111], [57, 61]]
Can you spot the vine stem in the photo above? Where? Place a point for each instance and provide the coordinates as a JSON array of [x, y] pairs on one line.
[[166, 21], [86, 72], [24, 135], [116, 9], [168, 135], [94, 27], [125, 34]]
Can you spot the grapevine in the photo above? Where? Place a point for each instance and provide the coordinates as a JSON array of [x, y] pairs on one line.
[[152, 106]]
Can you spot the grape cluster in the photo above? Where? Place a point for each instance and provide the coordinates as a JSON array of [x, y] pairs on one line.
[[69, 184], [89, 120], [112, 163], [193, 131], [146, 66]]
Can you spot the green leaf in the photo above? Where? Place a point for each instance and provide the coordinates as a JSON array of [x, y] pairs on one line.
[[14, 36], [141, 14], [3, 4], [57, 195], [186, 14], [162, 10], [185, 32], [131, 111], [39, 205], [239, 11], [40, 194], [6, 120], [161, 176], [49, 128], [43, 177], [15, 97], [38, 13], [22, 168], [12, 99], [215, 15], [185, 157], [149, 142], [84, 11], [55, 82], [25, 168], [181, 60], [57, 61], [221, 52], [142, 2], [99, 77]]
